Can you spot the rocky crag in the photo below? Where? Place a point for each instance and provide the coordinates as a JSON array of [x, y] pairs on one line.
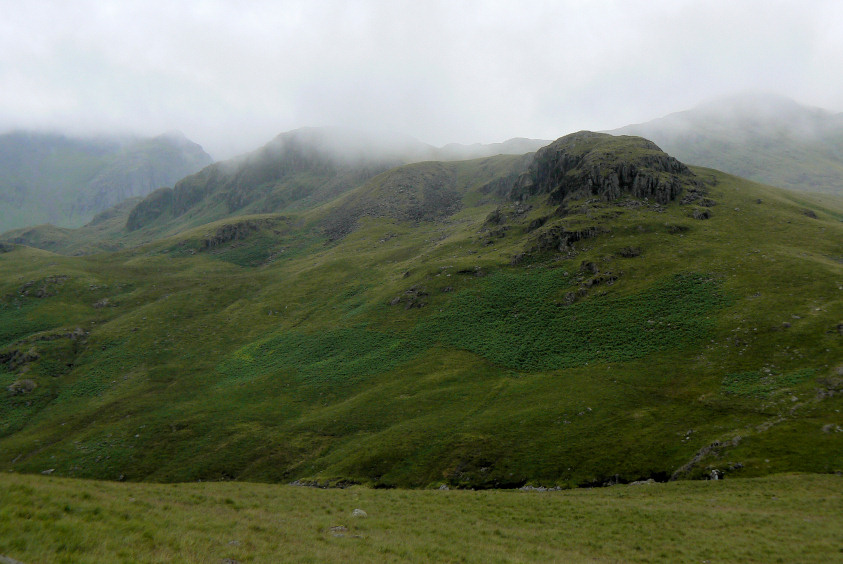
[[587, 164]]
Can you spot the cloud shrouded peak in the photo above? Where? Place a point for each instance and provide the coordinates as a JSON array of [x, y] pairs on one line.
[[231, 76]]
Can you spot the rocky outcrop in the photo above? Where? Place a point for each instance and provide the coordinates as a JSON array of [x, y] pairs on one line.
[[44, 288], [588, 164], [415, 297], [23, 386], [558, 238], [15, 358], [236, 231]]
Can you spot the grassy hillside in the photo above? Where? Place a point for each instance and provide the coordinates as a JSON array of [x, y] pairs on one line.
[[783, 518], [488, 343]]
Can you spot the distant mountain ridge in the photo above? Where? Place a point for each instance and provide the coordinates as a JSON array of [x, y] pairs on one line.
[[296, 171], [514, 146], [761, 137], [66, 181], [300, 169]]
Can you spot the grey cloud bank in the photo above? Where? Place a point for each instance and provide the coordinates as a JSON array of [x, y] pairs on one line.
[[233, 75]]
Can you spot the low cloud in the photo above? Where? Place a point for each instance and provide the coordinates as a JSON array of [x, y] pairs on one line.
[[231, 75]]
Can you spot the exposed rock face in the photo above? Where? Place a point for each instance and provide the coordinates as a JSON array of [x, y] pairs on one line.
[[143, 167], [765, 138], [236, 231], [588, 164]]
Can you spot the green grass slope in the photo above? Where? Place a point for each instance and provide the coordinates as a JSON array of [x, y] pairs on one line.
[[790, 518], [489, 343]]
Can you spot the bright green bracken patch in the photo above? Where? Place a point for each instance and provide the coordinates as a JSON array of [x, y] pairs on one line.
[[511, 318], [334, 356], [517, 320]]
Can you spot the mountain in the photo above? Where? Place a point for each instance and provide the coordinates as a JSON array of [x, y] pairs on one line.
[[66, 181], [764, 138], [301, 169], [595, 312], [296, 171]]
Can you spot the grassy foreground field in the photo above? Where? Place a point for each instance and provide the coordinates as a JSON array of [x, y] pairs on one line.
[[782, 518]]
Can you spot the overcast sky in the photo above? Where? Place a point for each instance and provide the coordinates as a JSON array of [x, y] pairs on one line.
[[231, 75]]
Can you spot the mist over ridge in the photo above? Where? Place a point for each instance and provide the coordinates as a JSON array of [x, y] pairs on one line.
[[759, 136]]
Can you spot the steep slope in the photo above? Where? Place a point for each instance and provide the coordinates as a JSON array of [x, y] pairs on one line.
[[563, 335], [66, 181], [761, 137]]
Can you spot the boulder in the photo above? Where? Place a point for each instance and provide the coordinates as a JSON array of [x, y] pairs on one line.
[[23, 386]]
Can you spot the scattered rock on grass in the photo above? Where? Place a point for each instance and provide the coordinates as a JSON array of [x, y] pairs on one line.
[[630, 252], [24, 386], [338, 530]]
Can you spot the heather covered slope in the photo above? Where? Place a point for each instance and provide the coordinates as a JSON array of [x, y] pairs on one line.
[[457, 329]]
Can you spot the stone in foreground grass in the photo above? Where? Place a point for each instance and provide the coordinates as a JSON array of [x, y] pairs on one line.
[[791, 518]]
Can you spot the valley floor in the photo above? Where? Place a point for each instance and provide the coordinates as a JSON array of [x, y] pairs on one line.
[[785, 518]]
